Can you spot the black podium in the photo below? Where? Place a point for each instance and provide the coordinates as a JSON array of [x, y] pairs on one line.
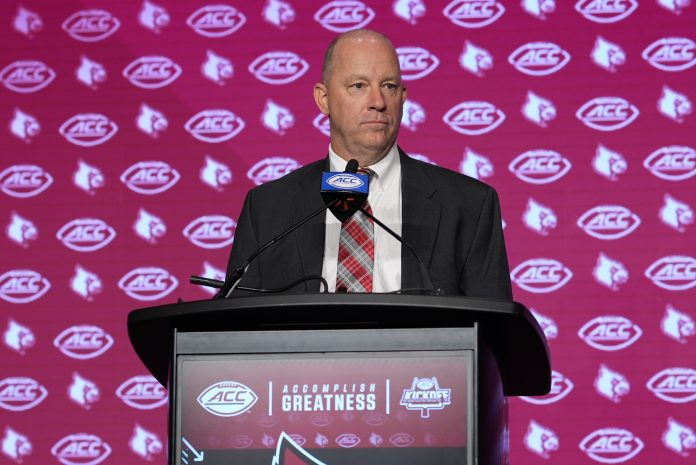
[[340, 379]]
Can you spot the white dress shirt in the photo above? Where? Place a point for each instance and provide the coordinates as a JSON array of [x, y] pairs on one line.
[[385, 200]]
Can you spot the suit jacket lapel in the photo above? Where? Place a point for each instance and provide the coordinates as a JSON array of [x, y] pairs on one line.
[[420, 219], [310, 237]]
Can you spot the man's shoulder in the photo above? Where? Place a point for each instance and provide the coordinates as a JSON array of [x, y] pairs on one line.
[[447, 179]]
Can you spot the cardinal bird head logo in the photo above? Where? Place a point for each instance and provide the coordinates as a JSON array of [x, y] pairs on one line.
[[288, 452]]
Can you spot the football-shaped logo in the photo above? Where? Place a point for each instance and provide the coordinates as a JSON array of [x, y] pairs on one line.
[[541, 275], [216, 20], [279, 67], [540, 166], [83, 342], [610, 333], [26, 76], [474, 118], [227, 398], [23, 286], [20, 393], [24, 181]]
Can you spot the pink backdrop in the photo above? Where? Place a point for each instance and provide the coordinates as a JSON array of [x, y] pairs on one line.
[[132, 131]]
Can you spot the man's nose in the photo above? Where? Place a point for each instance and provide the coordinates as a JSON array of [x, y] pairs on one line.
[[376, 99]]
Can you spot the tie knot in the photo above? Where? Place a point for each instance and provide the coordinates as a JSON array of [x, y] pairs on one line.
[[366, 171]]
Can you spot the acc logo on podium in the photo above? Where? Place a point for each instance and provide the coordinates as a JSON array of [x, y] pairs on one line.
[[227, 398]]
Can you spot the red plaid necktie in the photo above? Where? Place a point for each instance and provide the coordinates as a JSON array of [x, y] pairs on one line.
[[356, 253]]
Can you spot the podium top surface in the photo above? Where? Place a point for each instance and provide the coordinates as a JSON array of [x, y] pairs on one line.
[[509, 328]]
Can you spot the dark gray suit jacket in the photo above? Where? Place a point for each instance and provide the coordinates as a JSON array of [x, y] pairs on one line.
[[451, 220]]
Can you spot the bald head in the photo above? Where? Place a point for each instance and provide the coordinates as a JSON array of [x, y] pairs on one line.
[[358, 35]]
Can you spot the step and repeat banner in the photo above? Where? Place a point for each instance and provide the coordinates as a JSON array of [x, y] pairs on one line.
[[132, 130]]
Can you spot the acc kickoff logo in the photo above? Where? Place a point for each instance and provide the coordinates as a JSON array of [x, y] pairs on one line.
[[26, 76], [214, 126], [672, 163], [425, 395], [610, 333], [607, 113], [91, 25], [81, 449], [608, 222], [344, 15], [560, 387], [150, 177], [676, 385], [86, 234], [674, 272], [671, 54], [474, 13], [22, 286], [227, 398], [142, 392], [83, 342], [540, 166], [21, 393], [611, 445], [416, 62], [148, 283], [24, 181], [606, 12], [211, 231], [539, 58], [474, 118], [270, 169], [152, 72], [279, 67], [541, 275], [88, 129], [216, 20]]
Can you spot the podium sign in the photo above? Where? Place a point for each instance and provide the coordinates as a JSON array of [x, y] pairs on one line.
[[339, 379], [367, 397]]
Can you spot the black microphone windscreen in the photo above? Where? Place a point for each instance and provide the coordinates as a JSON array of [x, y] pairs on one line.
[[352, 166]]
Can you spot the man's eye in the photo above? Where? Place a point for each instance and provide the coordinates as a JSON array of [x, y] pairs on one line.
[[359, 85]]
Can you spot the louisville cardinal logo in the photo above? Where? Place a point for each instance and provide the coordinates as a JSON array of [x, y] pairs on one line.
[[288, 452]]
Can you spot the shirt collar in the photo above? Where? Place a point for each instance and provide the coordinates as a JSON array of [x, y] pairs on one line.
[[385, 169]]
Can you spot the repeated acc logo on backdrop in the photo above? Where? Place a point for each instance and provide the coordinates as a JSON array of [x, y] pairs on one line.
[[669, 162]]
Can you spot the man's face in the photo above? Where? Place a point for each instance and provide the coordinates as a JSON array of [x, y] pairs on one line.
[[363, 97]]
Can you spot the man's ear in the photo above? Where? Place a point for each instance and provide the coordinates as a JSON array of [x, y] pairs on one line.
[[321, 97], [404, 95]]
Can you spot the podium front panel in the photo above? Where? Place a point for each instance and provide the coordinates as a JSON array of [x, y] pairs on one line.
[[326, 397]]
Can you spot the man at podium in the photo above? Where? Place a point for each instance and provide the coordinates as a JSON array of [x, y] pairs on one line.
[[451, 221]]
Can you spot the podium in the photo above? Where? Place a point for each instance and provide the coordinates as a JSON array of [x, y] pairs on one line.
[[340, 379]]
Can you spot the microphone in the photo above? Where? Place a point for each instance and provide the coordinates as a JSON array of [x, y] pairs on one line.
[[349, 187], [340, 194]]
